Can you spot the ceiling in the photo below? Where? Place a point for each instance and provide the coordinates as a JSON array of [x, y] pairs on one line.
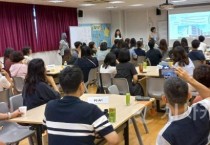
[[126, 5]]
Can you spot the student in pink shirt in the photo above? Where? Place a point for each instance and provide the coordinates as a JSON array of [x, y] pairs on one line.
[[18, 68]]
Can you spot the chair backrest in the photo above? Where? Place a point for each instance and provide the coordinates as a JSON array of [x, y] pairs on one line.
[[18, 83], [106, 79], [197, 63], [140, 59], [148, 62], [92, 76], [16, 102], [155, 87], [113, 90], [4, 107], [4, 96], [122, 85]]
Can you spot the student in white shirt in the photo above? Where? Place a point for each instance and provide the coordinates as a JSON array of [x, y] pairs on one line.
[[181, 59], [203, 45], [5, 80], [109, 65]]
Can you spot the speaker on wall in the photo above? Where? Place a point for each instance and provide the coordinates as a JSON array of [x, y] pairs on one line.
[[158, 12], [80, 13]]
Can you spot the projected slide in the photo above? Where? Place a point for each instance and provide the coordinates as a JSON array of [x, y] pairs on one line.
[[189, 25]]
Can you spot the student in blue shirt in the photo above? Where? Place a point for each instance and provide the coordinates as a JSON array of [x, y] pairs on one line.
[[71, 121], [186, 125], [139, 51]]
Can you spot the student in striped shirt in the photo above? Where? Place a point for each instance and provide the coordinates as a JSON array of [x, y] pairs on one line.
[[71, 121]]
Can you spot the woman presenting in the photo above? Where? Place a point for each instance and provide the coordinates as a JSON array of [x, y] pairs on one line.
[[153, 34], [63, 45], [117, 35]]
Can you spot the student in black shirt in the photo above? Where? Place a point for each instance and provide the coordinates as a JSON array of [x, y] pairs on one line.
[[139, 51], [196, 54], [86, 62], [127, 70], [36, 91], [154, 55]]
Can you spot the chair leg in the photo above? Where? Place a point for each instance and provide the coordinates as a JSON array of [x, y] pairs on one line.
[[158, 106], [142, 117], [31, 139]]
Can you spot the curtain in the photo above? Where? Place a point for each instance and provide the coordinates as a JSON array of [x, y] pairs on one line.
[[17, 28], [51, 22]]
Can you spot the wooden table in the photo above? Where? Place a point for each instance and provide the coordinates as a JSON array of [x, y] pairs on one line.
[[35, 116], [150, 71], [54, 69]]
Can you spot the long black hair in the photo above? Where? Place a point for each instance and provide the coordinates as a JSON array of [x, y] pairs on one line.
[[180, 56], [110, 59], [115, 35], [36, 73]]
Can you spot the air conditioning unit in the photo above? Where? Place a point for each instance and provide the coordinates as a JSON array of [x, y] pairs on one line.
[[166, 6]]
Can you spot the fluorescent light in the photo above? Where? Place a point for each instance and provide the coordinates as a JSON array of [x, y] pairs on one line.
[[117, 2], [56, 1], [136, 5], [111, 7], [87, 5], [178, 1]]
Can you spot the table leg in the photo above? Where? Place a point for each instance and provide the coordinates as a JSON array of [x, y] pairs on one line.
[[39, 134], [137, 131], [126, 133]]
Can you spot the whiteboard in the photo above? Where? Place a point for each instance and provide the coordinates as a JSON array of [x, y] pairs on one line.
[[82, 34], [163, 30]]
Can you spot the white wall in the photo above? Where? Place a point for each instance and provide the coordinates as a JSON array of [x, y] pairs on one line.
[[95, 17], [132, 23]]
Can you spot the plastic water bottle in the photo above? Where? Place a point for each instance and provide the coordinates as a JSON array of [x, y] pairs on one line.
[[128, 99], [65, 63]]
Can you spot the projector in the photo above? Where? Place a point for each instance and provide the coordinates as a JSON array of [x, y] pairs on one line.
[[166, 6]]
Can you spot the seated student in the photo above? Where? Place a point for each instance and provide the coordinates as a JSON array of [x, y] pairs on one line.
[[127, 41], [203, 45], [67, 57], [18, 68], [82, 121], [101, 54], [175, 44], [154, 55], [127, 70], [163, 48], [181, 59], [27, 54], [186, 125], [36, 91], [76, 52], [202, 75], [115, 44], [184, 44], [196, 54], [109, 65], [139, 51], [86, 62], [7, 60], [133, 55], [5, 80], [93, 48]]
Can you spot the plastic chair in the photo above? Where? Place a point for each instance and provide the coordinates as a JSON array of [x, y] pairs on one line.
[[18, 83], [140, 59], [113, 90], [92, 77], [197, 63], [12, 133], [155, 89], [16, 102], [4, 96], [106, 80], [122, 85], [4, 107]]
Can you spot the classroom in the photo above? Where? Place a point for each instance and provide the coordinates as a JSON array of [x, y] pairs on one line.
[[104, 72]]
